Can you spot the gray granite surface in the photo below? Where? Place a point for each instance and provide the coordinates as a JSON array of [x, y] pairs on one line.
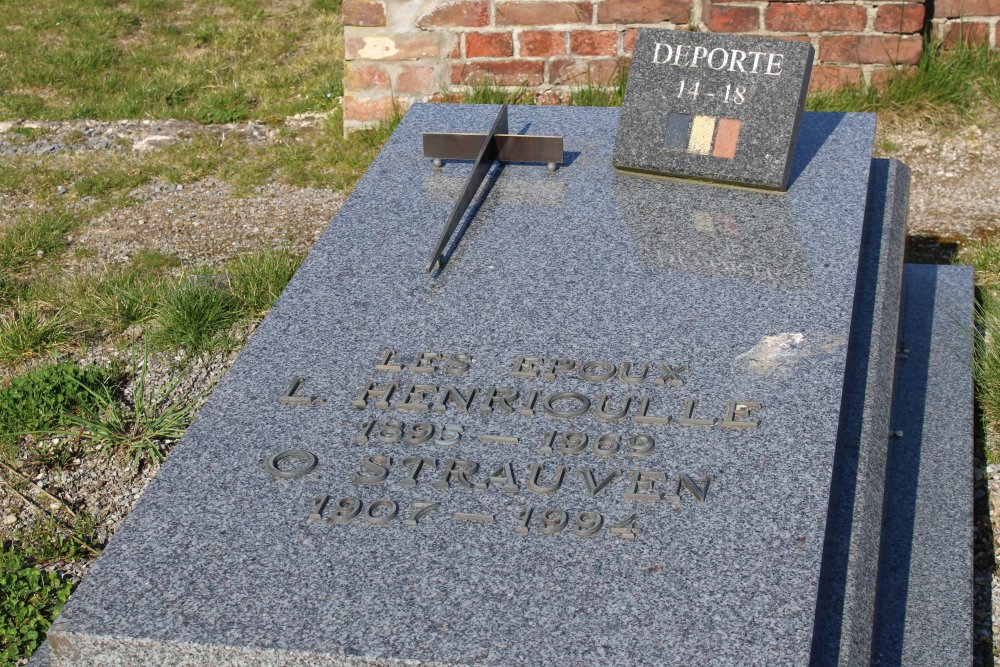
[[843, 631], [748, 92], [220, 564], [924, 610]]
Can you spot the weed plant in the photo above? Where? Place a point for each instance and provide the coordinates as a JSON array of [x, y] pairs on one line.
[[113, 301], [30, 598], [42, 401], [141, 425], [33, 236]]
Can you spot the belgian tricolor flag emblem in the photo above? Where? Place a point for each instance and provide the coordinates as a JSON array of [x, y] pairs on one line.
[[702, 135]]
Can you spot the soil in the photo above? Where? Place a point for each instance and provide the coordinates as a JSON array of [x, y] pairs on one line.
[[954, 197]]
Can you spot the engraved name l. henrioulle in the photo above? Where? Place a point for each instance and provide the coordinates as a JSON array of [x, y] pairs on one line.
[[503, 400]]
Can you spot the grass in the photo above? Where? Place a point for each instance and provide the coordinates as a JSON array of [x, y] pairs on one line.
[[141, 425], [29, 331], [33, 236], [593, 95], [490, 91], [196, 315], [212, 62], [257, 279], [112, 301], [309, 157], [984, 257], [944, 84]]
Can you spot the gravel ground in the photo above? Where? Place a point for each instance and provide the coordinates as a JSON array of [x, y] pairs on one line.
[[955, 177], [48, 137], [953, 196], [203, 223]]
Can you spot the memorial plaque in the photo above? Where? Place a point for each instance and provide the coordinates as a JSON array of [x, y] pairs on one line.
[[713, 107], [583, 439]]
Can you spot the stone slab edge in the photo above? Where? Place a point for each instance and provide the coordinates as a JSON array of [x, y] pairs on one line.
[[846, 598], [925, 590]]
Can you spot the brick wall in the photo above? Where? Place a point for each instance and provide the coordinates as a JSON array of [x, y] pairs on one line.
[[410, 50]]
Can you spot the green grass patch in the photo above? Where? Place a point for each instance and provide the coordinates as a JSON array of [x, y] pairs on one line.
[[257, 279], [42, 401], [984, 256], [32, 237], [113, 301], [987, 367], [153, 261], [196, 314], [30, 598], [489, 91], [945, 83], [317, 157], [27, 330], [610, 94], [26, 135], [200, 60]]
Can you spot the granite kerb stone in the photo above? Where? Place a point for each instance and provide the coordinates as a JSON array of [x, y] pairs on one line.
[[923, 615], [846, 599]]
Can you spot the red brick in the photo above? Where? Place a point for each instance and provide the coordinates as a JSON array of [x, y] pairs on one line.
[[363, 13], [577, 72], [628, 40], [501, 72], [900, 18], [970, 34], [366, 108], [831, 77], [954, 9], [402, 46], [541, 43], [416, 80], [814, 18], [731, 19], [365, 77], [550, 98], [450, 97], [593, 42], [903, 50], [456, 50], [997, 40], [791, 38], [543, 13], [489, 45], [462, 14], [881, 77], [644, 11]]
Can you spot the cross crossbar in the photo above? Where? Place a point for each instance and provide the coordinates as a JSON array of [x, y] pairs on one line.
[[484, 149]]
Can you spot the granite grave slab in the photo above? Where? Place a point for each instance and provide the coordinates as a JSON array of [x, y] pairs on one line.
[[587, 439], [714, 107]]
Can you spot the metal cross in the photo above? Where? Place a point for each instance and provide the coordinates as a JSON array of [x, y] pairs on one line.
[[484, 149]]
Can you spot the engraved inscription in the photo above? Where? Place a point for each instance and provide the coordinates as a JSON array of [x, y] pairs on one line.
[[420, 451]]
